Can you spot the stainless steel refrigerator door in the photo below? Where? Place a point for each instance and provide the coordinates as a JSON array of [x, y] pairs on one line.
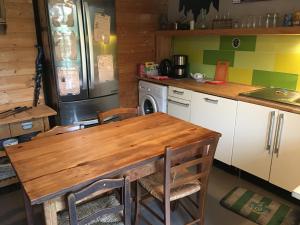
[[101, 44], [68, 46], [86, 110]]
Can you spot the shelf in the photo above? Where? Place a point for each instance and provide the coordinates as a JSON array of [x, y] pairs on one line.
[[34, 113], [229, 32]]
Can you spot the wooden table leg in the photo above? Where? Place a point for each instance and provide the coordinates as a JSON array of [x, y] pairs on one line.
[[50, 212], [28, 209]]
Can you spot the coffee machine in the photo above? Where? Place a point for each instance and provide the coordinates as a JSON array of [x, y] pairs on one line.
[[177, 69], [180, 66]]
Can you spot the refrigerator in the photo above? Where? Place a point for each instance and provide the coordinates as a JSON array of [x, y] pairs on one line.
[[79, 42]]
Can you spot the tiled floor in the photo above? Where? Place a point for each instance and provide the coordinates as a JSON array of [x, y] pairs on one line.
[[12, 211]]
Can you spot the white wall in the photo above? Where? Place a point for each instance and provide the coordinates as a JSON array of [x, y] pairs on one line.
[[242, 10]]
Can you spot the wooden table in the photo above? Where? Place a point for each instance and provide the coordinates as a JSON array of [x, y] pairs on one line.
[[48, 168]]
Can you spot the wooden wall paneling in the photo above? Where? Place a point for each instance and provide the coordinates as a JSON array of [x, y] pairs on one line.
[[163, 47], [137, 22], [17, 56]]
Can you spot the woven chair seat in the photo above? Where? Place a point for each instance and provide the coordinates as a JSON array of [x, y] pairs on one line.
[[93, 206], [154, 185], [6, 171]]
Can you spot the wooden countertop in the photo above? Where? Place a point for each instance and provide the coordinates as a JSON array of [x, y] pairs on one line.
[[34, 113], [50, 167], [228, 90]]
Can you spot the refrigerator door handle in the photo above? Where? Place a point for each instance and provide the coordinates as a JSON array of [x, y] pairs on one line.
[[90, 43], [82, 46]]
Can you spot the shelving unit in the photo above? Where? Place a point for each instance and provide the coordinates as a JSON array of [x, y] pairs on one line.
[[239, 31], [13, 126], [164, 38]]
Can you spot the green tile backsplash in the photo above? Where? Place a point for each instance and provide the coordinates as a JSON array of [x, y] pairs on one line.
[[276, 79], [211, 57], [247, 43], [271, 60]]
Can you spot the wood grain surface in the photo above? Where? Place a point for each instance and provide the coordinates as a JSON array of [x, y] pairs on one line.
[[228, 90], [34, 113], [137, 22], [17, 56], [50, 167], [230, 32]]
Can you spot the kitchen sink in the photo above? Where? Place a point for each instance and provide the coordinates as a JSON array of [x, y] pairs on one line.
[[276, 95]]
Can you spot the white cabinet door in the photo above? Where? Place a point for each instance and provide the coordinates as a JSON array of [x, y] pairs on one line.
[[218, 114], [286, 163], [179, 108], [252, 151]]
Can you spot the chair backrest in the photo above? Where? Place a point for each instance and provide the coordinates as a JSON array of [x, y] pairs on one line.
[[117, 114], [107, 184], [189, 163], [58, 130]]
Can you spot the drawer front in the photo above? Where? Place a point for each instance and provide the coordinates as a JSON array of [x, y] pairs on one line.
[[179, 108], [4, 131], [26, 127], [180, 93]]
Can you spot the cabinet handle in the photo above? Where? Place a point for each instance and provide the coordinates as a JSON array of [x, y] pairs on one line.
[[270, 131], [213, 101], [179, 103], [278, 134], [178, 92], [27, 125]]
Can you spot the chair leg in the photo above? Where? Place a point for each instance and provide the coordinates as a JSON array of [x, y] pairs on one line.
[[137, 204], [167, 213], [201, 196]]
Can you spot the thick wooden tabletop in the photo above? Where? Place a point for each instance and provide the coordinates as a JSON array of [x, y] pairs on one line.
[[50, 167]]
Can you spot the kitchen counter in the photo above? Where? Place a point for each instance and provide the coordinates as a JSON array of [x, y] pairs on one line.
[[228, 90]]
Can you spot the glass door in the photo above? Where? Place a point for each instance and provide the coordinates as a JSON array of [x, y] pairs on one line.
[[65, 18], [101, 47]]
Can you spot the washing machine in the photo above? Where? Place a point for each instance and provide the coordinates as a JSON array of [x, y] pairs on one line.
[[152, 98]]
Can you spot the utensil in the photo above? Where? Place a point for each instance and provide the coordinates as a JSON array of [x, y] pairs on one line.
[[14, 111], [221, 71]]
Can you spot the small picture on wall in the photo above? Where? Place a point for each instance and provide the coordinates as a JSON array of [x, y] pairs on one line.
[[244, 1]]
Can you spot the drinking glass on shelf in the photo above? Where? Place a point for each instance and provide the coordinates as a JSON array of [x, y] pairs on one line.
[[260, 21], [244, 22], [249, 22], [275, 19], [268, 18]]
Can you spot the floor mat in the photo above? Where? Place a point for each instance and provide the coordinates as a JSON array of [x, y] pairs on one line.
[[260, 209]]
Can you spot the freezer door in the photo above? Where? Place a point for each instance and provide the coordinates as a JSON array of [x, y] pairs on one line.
[[86, 110], [68, 47], [101, 44]]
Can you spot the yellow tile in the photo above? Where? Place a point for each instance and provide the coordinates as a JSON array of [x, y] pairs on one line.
[[283, 44], [298, 85], [287, 63], [241, 76], [254, 60]]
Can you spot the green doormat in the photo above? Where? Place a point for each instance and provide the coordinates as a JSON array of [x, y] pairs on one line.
[[259, 209]]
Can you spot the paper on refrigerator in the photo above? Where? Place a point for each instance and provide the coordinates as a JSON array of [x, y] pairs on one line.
[[102, 27], [68, 80], [105, 68]]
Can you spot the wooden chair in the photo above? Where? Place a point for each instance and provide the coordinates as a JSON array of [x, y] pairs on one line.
[[117, 114], [58, 130], [103, 210], [185, 172]]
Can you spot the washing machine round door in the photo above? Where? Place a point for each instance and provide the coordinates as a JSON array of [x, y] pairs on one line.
[[149, 105]]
